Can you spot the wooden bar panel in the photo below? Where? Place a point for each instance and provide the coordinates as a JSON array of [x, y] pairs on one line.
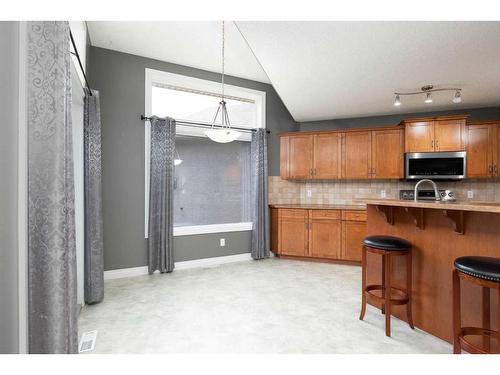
[[435, 249]]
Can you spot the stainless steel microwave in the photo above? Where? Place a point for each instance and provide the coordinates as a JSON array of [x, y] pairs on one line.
[[435, 165]]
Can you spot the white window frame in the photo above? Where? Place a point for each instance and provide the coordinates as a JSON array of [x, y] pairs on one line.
[[165, 78]]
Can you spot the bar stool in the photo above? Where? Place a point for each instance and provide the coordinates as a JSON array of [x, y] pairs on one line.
[[485, 272], [388, 247]]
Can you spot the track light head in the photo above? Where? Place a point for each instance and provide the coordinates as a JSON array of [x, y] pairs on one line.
[[397, 101], [458, 97], [428, 98]]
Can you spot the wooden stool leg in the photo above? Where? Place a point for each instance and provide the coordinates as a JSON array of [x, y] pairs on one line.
[[388, 295], [409, 288], [486, 316], [363, 284], [383, 282], [457, 319]]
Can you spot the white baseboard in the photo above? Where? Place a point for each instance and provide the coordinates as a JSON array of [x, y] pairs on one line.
[[206, 262]]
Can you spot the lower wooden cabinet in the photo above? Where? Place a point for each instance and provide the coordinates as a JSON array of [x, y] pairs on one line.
[[318, 233], [353, 233]]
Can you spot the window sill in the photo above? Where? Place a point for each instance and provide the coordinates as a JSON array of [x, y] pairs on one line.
[[212, 228]]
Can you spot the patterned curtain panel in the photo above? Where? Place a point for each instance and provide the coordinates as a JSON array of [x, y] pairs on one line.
[[161, 193], [94, 246], [260, 232], [51, 233]]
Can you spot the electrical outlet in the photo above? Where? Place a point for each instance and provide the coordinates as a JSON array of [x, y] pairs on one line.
[[382, 194], [470, 194], [309, 193], [223, 242]]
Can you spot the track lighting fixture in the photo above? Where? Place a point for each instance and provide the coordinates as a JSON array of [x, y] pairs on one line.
[[428, 90]]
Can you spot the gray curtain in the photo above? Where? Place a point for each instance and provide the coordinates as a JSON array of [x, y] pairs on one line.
[[51, 216], [260, 209], [94, 246], [161, 193]]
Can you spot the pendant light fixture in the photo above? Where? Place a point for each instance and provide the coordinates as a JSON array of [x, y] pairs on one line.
[[177, 160], [223, 132]]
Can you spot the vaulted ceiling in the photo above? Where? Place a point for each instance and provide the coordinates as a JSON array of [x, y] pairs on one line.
[[328, 70]]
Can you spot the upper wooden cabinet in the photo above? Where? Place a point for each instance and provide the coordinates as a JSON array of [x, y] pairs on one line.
[[356, 155], [300, 156], [483, 149], [310, 156], [343, 155], [326, 156], [387, 149], [435, 134]]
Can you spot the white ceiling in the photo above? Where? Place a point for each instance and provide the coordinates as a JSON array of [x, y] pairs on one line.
[[328, 70], [192, 43]]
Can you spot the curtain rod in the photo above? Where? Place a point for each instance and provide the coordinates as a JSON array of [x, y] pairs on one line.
[[79, 61], [202, 125]]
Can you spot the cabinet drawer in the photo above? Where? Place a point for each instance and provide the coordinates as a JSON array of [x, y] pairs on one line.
[[354, 215], [293, 213], [325, 214]]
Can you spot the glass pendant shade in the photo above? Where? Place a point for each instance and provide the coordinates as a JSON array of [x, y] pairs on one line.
[[222, 135]]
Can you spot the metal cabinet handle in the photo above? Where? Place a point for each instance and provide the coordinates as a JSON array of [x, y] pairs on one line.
[[490, 169], [495, 169], [437, 144], [432, 144]]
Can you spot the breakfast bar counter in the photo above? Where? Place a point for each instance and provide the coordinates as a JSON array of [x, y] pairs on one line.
[[440, 232]]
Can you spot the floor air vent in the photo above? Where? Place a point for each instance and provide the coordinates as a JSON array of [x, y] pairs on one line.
[[87, 342]]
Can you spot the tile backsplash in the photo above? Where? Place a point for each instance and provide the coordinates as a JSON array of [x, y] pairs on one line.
[[345, 191]]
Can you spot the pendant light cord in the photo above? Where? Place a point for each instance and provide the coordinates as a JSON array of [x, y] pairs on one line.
[[223, 57]]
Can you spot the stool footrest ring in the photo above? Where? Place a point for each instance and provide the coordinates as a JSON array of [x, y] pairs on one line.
[[475, 331], [398, 296]]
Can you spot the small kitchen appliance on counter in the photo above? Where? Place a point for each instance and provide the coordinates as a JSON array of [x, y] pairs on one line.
[[429, 195]]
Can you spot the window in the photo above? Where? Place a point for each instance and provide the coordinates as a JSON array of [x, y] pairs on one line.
[[212, 184]]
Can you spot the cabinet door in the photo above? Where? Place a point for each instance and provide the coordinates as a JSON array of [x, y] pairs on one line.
[[356, 155], [387, 153], [419, 136], [300, 156], [496, 151], [479, 151], [449, 135], [353, 233], [326, 156], [284, 158], [325, 234], [293, 233]]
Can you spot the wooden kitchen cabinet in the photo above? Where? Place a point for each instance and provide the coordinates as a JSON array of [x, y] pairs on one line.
[[324, 234], [483, 148], [293, 234], [419, 136], [435, 134], [356, 155], [318, 233], [387, 150], [353, 233], [300, 156], [326, 156], [449, 135]]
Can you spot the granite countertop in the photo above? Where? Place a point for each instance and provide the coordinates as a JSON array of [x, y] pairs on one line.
[[493, 207], [357, 206]]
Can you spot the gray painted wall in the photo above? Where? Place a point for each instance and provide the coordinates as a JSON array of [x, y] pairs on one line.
[[120, 79], [489, 113], [8, 187]]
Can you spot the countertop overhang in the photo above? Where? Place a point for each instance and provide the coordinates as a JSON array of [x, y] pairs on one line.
[[491, 207]]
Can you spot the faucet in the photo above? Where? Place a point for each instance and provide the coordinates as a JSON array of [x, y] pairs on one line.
[[434, 186]]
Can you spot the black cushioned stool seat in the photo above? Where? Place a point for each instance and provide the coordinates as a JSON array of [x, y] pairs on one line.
[[487, 268], [387, 243]]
